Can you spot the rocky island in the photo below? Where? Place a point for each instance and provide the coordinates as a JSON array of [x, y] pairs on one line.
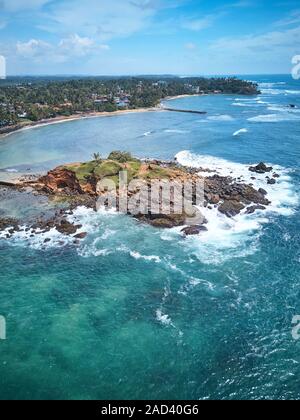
[[76, 185]]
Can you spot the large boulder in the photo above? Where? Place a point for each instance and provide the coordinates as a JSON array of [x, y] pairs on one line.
[[231, 208], [194, 230], [261, 168], [67, 228], [252, 209], [166, 221]]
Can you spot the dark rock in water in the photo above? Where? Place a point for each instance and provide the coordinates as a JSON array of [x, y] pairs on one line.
[[251, 195], [166, 221], [8, 223], [271, 181], [292, 106], [231, 208], [67, 228], [262, 191], [261, 168], [80, 235], [276, 176], [47, 240], [252, 209], [194, 230]]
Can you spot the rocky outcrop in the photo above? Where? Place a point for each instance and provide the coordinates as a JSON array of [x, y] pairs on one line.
[[231, 208], [233, 195], [76, 183], [261, 168], [194, 230], [252, 209], [67, 228], [166, 221], [8, 223], [60, 180]]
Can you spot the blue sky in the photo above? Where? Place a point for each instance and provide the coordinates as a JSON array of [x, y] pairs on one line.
[[187, 37]]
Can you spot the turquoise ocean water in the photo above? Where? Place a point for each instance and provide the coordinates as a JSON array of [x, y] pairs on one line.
[[140, 313]]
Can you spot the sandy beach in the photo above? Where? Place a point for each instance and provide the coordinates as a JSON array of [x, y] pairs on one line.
[[60, 120]]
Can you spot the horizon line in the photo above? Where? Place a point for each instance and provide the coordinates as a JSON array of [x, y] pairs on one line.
[[147, 75]]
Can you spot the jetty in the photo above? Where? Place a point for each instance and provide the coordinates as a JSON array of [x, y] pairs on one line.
[[187, 111]]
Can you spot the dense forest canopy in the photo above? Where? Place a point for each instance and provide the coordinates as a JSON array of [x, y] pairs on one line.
[[35, 99]]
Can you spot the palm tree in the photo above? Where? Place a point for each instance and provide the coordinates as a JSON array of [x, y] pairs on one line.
[[97, 157]]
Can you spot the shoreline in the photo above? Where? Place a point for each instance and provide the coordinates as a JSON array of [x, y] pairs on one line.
[[74, 117], [87, 115]]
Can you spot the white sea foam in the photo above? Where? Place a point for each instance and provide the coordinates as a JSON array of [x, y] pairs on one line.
[[224, 118], [164, 319], [274, 118], [271, 85], [243, 104], [287, 110], [13, 171], [38, 240], [262, 102], [136, 255], [245, 99], [292, 92], [174, 131], [272, 91], [241, 131], [280, 92]]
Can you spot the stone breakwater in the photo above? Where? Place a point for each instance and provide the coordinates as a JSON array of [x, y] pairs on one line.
[[76, 185]]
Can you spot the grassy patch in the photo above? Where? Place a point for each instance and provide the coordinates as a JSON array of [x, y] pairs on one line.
[[107, 169], [84, 170], [155, 172]]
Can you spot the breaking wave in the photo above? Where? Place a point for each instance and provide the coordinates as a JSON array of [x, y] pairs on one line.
[[225, 118], [274, 118], [241, 131]]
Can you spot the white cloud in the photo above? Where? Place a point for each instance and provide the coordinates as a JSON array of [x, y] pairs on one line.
[[274, 43], [75, 45], [292, 19], [67, 49], [199, 24], [33, 48], [102, 19], [18, 5]]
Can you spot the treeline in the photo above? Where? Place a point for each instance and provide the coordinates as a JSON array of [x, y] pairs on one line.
[[42, 99]]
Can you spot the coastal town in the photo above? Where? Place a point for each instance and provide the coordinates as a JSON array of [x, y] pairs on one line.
[[23, 101]]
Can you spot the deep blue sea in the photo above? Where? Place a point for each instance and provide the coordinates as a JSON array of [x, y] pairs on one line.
[[140, 313]]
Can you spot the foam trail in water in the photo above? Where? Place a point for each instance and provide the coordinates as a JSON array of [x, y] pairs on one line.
[[241, 131], [224, 118], [274, 118], [170, 131]]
